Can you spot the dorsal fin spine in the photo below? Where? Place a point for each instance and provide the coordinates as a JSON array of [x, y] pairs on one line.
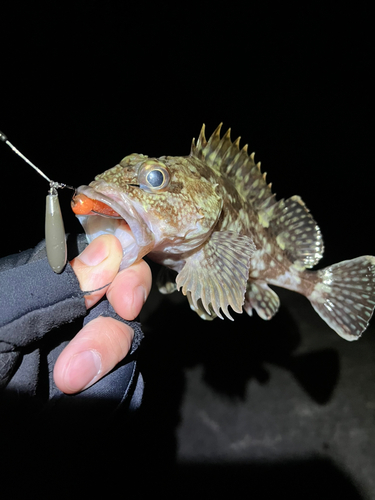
[[193, 149], [214, 140], [225, 157], [202, 142]]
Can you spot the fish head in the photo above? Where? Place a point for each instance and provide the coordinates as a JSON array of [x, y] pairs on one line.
[[168, 206]]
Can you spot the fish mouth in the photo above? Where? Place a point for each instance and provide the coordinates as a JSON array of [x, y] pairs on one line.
[[122, 220]]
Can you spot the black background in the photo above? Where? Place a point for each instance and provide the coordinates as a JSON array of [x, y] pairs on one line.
[[85, 84]]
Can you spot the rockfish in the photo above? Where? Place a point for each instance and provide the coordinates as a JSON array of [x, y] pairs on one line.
[[212, 218]]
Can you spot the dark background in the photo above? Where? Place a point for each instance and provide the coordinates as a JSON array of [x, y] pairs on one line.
[[86, 84]]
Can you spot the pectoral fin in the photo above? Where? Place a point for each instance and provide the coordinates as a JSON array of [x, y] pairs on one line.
[[217, 274], [199, 309]]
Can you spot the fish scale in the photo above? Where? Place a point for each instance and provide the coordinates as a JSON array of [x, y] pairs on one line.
[[213, 219]]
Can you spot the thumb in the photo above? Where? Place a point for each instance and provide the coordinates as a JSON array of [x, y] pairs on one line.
[[97, 266]]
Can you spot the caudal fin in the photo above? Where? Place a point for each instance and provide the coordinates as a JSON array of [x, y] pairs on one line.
[[345, 296]]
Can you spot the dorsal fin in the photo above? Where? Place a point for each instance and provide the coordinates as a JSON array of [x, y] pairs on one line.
[[297, 233], [289, 220], [226, 157]]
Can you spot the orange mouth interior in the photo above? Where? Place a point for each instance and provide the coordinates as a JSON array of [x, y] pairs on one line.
[[83, 205]]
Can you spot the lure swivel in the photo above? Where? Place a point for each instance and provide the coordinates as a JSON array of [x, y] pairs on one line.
[[54, 224]]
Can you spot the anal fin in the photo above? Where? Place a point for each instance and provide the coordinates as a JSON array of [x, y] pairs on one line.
[[261, 298]]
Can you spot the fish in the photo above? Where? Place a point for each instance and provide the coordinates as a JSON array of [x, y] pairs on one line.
[[212, 220]]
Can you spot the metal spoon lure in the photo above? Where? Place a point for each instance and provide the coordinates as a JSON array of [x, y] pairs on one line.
[[54, 225]]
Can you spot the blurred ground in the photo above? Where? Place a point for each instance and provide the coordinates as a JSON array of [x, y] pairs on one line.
[[266, 406]]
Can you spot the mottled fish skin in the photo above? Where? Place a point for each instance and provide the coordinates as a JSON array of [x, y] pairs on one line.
[[213, 219]]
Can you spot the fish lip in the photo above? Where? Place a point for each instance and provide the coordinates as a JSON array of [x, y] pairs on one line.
[[124, 206], [106, 216]]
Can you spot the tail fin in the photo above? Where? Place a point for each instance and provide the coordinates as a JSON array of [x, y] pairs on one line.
[[344, 296]]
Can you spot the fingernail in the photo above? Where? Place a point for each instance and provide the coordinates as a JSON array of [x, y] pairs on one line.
[[82, 370], [94, 254], [139, 298]]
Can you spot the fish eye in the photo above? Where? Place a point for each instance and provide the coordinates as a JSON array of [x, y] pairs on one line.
[[153, 176]]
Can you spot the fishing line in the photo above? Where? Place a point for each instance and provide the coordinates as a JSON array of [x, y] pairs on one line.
[[54, 224]]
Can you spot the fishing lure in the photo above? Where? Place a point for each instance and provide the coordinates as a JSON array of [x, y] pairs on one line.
[[54, 224]]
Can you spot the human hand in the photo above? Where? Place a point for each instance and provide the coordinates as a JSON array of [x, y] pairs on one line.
[[103, 342]]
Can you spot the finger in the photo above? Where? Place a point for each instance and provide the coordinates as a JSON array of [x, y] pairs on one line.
[[97, 266], [129, 290], [93, 352]]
